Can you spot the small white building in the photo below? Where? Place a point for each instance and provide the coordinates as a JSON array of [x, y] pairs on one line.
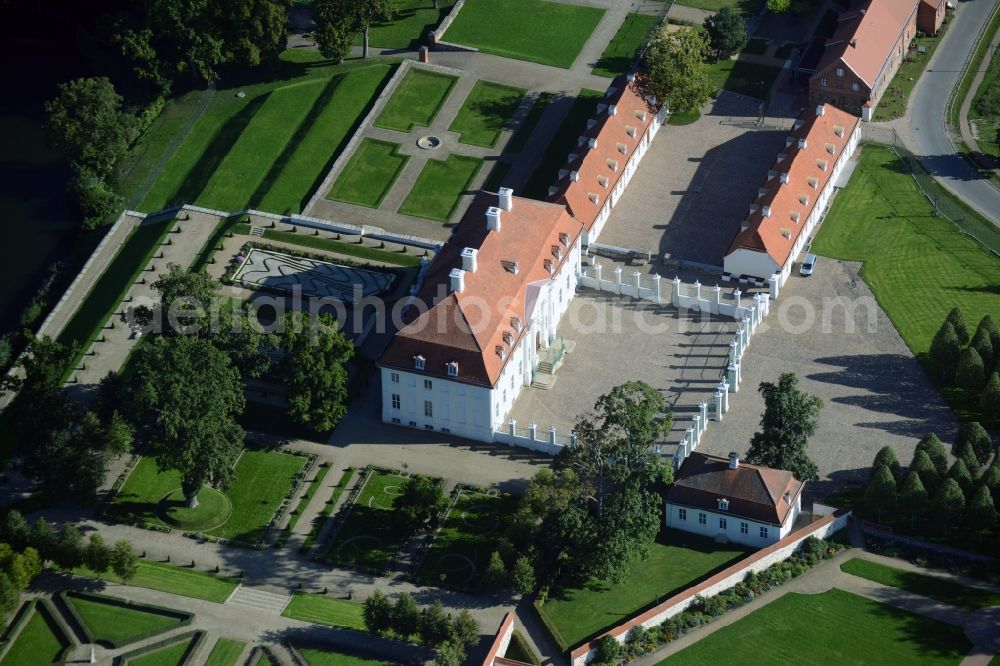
[[732, 501], [792, 199]]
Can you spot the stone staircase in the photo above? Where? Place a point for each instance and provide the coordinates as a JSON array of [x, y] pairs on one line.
[[257, 232], [260, 600]]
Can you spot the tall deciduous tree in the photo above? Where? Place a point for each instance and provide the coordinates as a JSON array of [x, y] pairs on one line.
[[252, 31], [677, 74], [188, 396], [124, 561], [41, 407], [377, 613], [314, 370], [339, 21], [727, 31], [419, 502], [405, 616], [790, 418]]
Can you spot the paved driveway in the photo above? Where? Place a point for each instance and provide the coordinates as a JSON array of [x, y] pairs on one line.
[[874, 391]]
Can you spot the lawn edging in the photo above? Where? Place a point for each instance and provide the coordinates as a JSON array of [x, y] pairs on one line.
[[728, 578], [24, 614], [198, 637], [65, 595]]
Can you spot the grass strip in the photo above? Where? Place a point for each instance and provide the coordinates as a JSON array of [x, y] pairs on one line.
[[369, 174], [321, 609], [897, 94], [932, 587], [183, 581], [349, 249], [573, 125], [439, 188], [230, 225], [225, 652]]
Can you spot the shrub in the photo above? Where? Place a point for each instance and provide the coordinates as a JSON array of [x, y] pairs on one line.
[[989, 402], [983, 344], [944, 352], [957, 320], [608, 650], [970, 373], [935, 449], [977, 438], [96, 200]]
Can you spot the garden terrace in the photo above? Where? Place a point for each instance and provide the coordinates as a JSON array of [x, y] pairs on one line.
[[416, 100], [486, 112], [436, 193], [316, 657], [411, 21], [925, 585], [369, 174]]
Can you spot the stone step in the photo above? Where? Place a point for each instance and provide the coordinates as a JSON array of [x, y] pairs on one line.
[[257, 231], [545, 367], [257, 599], [544, 382]]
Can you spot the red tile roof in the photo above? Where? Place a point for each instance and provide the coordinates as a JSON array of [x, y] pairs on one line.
[[864, 38], [794, 183], [586, 182], [758, 493], [469, 327]]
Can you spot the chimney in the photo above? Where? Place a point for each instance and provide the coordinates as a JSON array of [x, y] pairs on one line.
[[734, 460], [493, 218], [506, 196], [469, 259], [821, 110], [457, 276]]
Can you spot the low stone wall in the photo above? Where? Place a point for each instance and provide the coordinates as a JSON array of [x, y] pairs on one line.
[[437, 35], [502, 640], [757, 562]]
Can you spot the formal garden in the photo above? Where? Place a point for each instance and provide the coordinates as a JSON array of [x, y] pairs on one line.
[[416, 100], [182, 580], [225, 652], [369, 174], [436, 193], [540, 31], [486, 112]]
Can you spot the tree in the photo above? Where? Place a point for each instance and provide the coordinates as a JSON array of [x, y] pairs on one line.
[[989, 324], [97, 555], [188, 396], [16, 530], [24, 566], [523, 576], [989, 402], [778, 6], [913, 497], [42, 408], [960, 474], [118, 435], [983, 344], [981, 514], [465, 629], [948, 503], [405, 616], [635, 413], [240, 337], [10, 596], [87, 124], [968, 457], [419, 503], [314, 370], [252, 31], [333, 34], [435, 624], [926, 470], [96, 199], [934, 448], [69, 550], [991, 479], [185, 300], [378, 613], [608, 650], [43, 538], [970, 373], [495, 576], [727, 31], [973, 434], [886, 456], [124, 561], [944, 352], [677, 74], [790, 418], [881, 491], [449, 653], [957, 320]]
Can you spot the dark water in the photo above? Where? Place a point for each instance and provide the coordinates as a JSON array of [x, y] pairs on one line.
[[37, 225]]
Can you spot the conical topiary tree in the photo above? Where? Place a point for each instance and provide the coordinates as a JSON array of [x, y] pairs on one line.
[[935, 449], [968, 457], [960, 474], [926, 469], [981, 514], [975, 435], [989, 324], [983, 345], [989, 401], [948, 504], [957, 320], [913, 497], [881, 492], [970, 373], [944, 352], [886, 456], [991, 479]]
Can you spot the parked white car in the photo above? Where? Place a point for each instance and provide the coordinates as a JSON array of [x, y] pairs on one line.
[[807, 265]]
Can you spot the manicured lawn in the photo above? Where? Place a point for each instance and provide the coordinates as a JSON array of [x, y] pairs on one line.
[[575, 122], [918, 265], [369, 174], [625, 46], [350, 249], [439, 187], [676, 560], [325, 658], [411, 21], [462, 548], [944, 591], [527, 126], [171, 655], [119, 624], [107, 293], [743, 77], [486, 112], [893, 103], [416, 100], [834, 627], [262, 480], [321, 609], [40, 642], [550, 33], [749, 7], [370, 537], [225, 652], [271, 146], [174, 579]]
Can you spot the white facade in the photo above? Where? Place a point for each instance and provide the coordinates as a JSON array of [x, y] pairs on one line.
[[417, 400], [732, 527]]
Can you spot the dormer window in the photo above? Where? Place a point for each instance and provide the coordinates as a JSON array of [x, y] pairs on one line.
[[640, 114], [564, 239], [781, 157], [766, 211], [786, 233], [550, 268], [613, 165], [419, 362], [723, 504], [501, 352], [838, 130], [516, 323], [511, 266], [557, 252], [453, 369], [622, 148], [508, 338], [761, 191], [813, 182], [602, 181], [631, 131], [591, 122], [795, 216], [804, 200], [830, 148], [821, 164], [594, 199]]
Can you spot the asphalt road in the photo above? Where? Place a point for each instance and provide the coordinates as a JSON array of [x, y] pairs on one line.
[[928, 108]]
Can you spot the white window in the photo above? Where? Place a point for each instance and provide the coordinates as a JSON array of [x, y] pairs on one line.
[[723, 505], [504, 395], [428, 384], [395, 401], [722, 523], [763, 533], [453, 369], [702, 519], [418, 362], [682, 514], [855, 87], [744, 528], [394, 377], [428, 409], [824, 81], [840, 71]]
